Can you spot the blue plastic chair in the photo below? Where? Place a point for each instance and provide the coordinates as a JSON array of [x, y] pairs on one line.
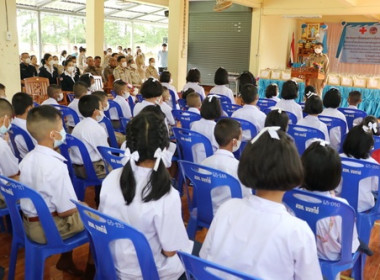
[[67, 112], [112, 157], [292, 118], [70, 97], [124, 123], [199, 269], [4, 212], [352, 114], [131, 103], [113, 93], [376, 146], [185, 117], [35, 104], [15, 131], [173, 99], [110, 131], [91, 179], [332, 122], [300, 201], [182, 104], [120, 115], [230, 108], [139, 97], [204, 180], [103, 230], [223, 99], [301, 134], [35, 253], [245, 126], [265, 103]]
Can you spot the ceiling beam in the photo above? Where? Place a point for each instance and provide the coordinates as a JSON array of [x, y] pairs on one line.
[[249, 3], [44, 3], [160, 3]]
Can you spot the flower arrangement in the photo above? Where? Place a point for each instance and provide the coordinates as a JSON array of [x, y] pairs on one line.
[[317, 65]]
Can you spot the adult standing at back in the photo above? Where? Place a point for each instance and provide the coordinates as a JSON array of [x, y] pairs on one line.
[[163, 58], [140, 62], [321, 61], [26, 70]]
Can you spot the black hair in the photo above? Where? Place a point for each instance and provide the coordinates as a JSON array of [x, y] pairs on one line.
[[187, 92], [81, 49], [221, 76], [88, 104], [289, 90], [271, 91], [271, 164], [193, 76], [193, 99], [165, 77], [85, 78], [97, 57], [100, 94], [322, 168], [164, 45], [246, 78], [5, 108], [63, 53], [145, 133], [249, 93], [20, 102], [151, 88], [309, 89], [275, 118], [373, 120], [225, 130], [332, 98], [45, 58], [313, 105], [114, 54], [211, 108], [358, 143], [38, 116], [2, 87], [79, 88], [120, 58], [354, 96], [52, 89], [150, 59], [318, 44], [118, 86]]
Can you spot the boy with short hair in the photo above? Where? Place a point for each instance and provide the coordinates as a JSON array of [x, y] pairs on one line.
[[55, 95], [45, 125], [193, 101], [80, 89], [122, 94], [2, 91], [22, 103], [228, 135], [354, 99]]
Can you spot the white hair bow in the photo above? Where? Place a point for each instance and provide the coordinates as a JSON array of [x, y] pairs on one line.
[[310, 94], [371, 127], [277, 109], [159, 155], [211, 96], [272, 130], [321, 142], [130, 157]]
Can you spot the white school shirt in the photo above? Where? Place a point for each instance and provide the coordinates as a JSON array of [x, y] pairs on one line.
[[93, 135], [19, 140], [335, 132], [252, 114], [194, 110], [314, 122], [44, 170], [356, 121], [259, 237], [223, 90], [50, 101], [159, 220], [125, 108], [291, 106], [366, 199], [225, 161], [206, 128], [74, 105], [196, 87], [172, 88], [8, 162], [275, 98], [165, 108], [329, 234]]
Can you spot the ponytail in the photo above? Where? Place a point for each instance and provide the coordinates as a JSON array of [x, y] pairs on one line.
[[128, 183]]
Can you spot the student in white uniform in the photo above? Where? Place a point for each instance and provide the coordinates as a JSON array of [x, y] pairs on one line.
[[22, 103], [194, 103], [250, 112], [140, 194], [358, 145], [323, 171], [313, 107], [80, 89], [228, 135], [256, 235], [210, 111], [165, 80], [331, 102], [122, 94], [288, 94], [55, 95], [221, 84], [354, 99], [44, 164], [193, 79], [271, 92], [277, 117]]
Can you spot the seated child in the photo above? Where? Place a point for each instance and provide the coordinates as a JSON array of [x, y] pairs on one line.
[[55, 95], [210, 111], [308, 90], [193, 79], [250, 112], [22, 103], [89, 80], [45, 125], [248, 234], [228, 135], [92, 134], [354, 99], [313, 107], [122, 94], [140, 194], [2, 92], [271, 92], [193, 101], [221, 84], [288, 94], [358, 144], [277, 117], [165, 80], [80, 89]]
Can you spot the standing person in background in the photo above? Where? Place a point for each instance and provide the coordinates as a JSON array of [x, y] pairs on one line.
[[129, 55], [82, 59], [75, 51], [34, 62], [26, 70], [63, 56], [321, 61], [120, 50], [140, 62], [163, 58]]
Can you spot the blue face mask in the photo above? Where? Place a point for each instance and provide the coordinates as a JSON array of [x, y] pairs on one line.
[[4, 129], [58, 143]]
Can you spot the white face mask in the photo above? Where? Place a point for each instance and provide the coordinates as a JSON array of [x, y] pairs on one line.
[[58, 143], [124, 64], [100, 117], [158, 100], [4, 129], [70, 69], [51, 62], [237, 146], [60, 97], [126, 95], [134, 66], [318, 51], [152, 64], [107, 107], [56, 62], [93, 87], [27, 60]]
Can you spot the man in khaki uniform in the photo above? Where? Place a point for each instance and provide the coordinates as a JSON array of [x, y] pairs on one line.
[[133, 74], [120, 71], [90, 66], [323, 60], [151, 70], [112, 63]]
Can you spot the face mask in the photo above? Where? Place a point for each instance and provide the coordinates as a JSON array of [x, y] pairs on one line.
[[58, 143], [158, 101], [27, 61], [100, 117], [75, 65], [318, 51], [171, 81], [4, 129], [70, 69], [126, 95], [152, 64], [124, 64], [107, 107], [51, 62], [237, 147], [93, 87], [134, 66], [56, 62], [60, 97]]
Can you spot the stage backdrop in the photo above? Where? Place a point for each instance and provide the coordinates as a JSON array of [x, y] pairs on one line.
[[336, 65]]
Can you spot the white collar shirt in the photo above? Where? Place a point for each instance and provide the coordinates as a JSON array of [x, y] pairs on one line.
[[335, 133], [206, 128], [314, 122], [172, 88], [8, 162], [252, 114], [196, 87], [356, 121], [290, 106], [50, 101], [19, 140], [225, 91], [125, 108], [194, 110], [74, 105]]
